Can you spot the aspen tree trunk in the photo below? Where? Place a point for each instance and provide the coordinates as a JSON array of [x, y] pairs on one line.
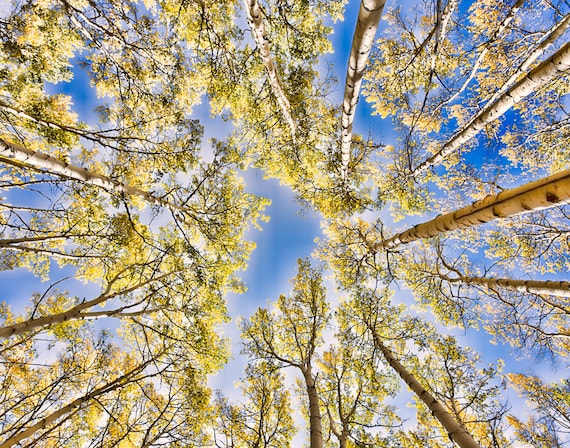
[[257, 26], [315, 421], [442, 20], [547, 287], [554, 33], [544, 193], [497, 33], [541, 75], [456, 431], [17, 155], [44, 422], [72, 313], [366, 24], [7, 242], [51, 253]]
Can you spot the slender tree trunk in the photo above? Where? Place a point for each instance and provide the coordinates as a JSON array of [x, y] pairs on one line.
[[46, 421], [541, 75], [544, 193], [21, 157], [72, 313], [7, 242], [502, 26], [257, 26], [48, 252], [554, 33], [456, 431], [366, 24], [547, 287], [315, 421], [90, 135]]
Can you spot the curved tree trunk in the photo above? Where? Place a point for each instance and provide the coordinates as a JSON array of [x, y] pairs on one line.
[[544, 193], [456, 431], [541, 75], [367, 22], [255, 21], [21, 157]]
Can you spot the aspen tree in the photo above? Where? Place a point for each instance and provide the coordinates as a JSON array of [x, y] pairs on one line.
[[368, 17], [556, 31], [461, 397], [22, 157], [291, 336], [546, 287], [255, 20], [549, 423], [264, 419], [500, 29], [78, 311], [129, 376], [541, 194], [548, 70], [455, 430], [353, 392]]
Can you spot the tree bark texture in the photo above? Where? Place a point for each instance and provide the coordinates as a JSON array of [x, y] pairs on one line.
[[21, 157], [544, 193], [455, 430], [257, 26], [315, 421], [546, 287], [366, 25]]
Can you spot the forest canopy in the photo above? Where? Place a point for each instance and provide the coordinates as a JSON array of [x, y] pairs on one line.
[[128, 207]]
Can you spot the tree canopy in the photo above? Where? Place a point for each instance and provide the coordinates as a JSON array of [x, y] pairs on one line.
[[129, 132]]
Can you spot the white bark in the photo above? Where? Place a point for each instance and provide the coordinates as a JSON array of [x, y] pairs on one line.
[[255, 21], [455, 430], [497, 33], [74, 405], [546, 287], [541, 194], [540, 76], [366, 25], [72, 313], [554, 33], [21, 157]]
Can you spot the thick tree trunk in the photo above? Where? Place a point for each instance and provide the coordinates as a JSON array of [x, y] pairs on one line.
[[455, 430], [547, 287], [315, 421], [17, 155], [257, 26], [544, 193], [72, 313], [367, 22], [541, 75]]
